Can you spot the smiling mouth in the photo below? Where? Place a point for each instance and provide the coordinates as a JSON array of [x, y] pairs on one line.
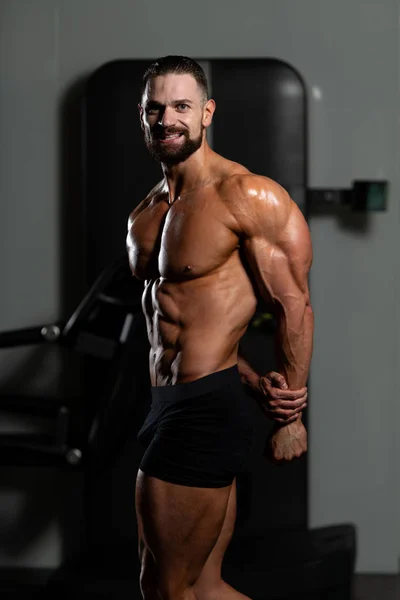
[[170, 137]]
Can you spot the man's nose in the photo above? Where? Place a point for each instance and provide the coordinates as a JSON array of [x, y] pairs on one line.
[[167, 117]]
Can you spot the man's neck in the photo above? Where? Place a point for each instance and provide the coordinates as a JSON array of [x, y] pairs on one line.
[[188, 175]]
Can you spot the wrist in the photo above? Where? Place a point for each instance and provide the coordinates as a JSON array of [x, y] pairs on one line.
[[295, 424]]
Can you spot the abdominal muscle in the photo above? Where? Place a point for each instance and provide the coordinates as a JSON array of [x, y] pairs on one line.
[[194, 326]]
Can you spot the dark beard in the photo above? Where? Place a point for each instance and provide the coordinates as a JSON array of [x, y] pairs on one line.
[[174, 156]]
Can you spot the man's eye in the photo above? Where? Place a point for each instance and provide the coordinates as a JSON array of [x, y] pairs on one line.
[[151, 111], [182, 106]]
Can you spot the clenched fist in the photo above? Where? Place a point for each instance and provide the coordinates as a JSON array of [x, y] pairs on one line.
[[286, 443]]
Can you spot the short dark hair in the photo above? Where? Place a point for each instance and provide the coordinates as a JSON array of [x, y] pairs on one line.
[[179, 65]]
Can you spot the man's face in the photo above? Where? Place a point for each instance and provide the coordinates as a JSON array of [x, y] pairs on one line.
[[173, 117]]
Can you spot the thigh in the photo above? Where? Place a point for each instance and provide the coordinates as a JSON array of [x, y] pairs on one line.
[[178, 526]]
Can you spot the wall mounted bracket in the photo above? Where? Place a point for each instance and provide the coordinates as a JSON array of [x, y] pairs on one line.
[[364, 196]]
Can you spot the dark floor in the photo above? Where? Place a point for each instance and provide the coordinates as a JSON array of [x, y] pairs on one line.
[[366, 587], [377, 587]]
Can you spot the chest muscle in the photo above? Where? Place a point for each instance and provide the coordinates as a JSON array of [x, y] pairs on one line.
[[181, 242]]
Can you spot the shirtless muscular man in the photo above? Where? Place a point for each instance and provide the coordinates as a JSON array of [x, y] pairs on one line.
[[189, 240]]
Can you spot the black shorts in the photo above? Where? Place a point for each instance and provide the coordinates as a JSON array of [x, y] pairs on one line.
[[199, 433]]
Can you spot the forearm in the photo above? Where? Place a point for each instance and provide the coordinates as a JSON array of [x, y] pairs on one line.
[[247, 374], [294, 344]]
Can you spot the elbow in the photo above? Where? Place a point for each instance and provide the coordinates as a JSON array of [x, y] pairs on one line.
[[308, 310], [296, 312], [297, 303]]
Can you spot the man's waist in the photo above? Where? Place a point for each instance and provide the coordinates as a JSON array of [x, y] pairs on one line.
[[196, 387]]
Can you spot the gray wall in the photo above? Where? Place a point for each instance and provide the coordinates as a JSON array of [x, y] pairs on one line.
[[348, 54]]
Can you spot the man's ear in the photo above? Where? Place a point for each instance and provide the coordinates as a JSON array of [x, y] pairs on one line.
[[208, 112], [140, 107]]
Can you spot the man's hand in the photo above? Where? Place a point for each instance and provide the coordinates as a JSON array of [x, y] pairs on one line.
[[280, 404], [286, 443]]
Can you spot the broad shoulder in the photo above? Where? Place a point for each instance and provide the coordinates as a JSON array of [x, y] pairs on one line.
[[154, 195], [256, 202]]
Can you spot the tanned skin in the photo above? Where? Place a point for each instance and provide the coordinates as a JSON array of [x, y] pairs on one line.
[[187, 240]]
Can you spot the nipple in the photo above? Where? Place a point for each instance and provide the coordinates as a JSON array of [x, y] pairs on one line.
[[188, 268]]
